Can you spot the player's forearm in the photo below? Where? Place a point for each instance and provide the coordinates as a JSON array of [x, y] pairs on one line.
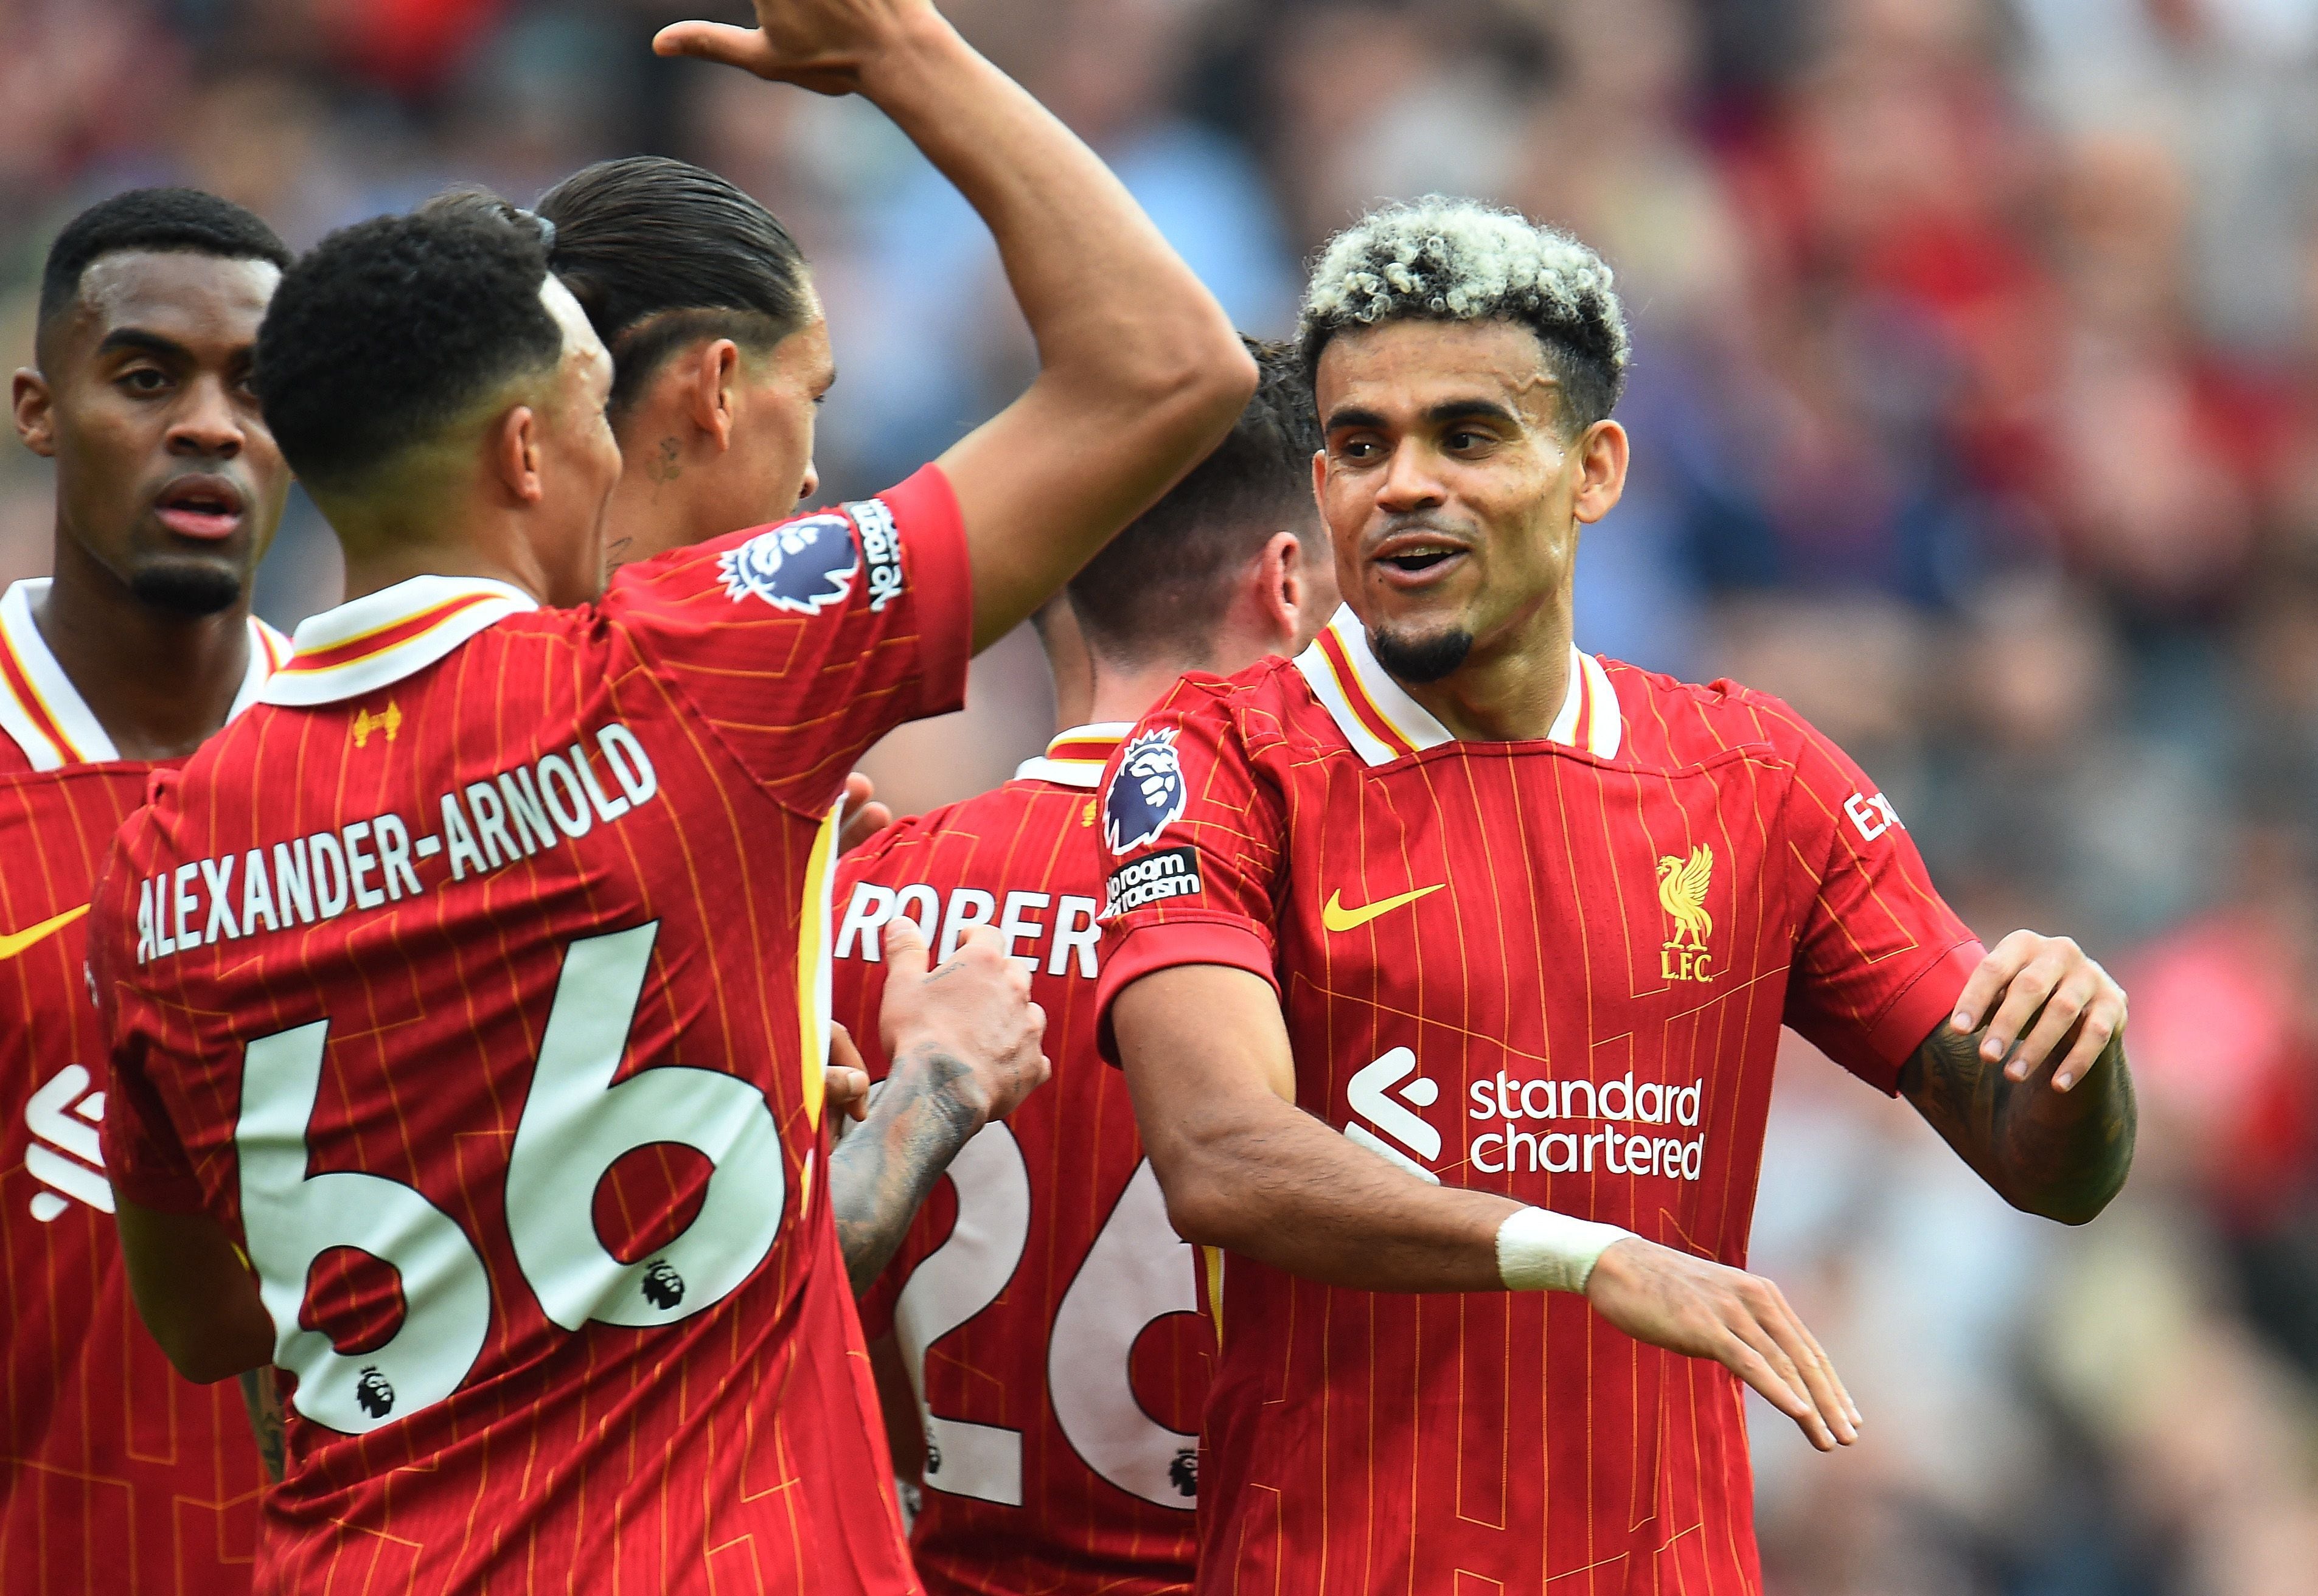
[[880, 1174], [2061, 1155], [260, 1395], [194, 1294], [1260, 1178], [1139, 367]]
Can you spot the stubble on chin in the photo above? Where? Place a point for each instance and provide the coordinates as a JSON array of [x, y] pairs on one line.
[[1421, 657]]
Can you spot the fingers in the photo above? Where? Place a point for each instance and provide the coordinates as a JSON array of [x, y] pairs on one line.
[[2074, 991], [2104, 1021], [1996, 971], [1748, 1364], [846, 1091], [1814, 1366], [905, 951], [862, 824], [713, 42]]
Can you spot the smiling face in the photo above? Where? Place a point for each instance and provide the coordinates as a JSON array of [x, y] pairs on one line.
[[1451, 492], [166, 476]]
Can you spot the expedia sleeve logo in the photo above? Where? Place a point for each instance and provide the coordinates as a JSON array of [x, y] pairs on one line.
[[1147, 795], [1173, 872], [802, 567]]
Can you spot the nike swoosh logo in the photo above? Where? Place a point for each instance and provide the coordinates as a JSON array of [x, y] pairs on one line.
[[1338, 918], [16, 942]]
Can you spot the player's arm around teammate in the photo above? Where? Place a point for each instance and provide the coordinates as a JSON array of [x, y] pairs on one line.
[[1245, 1168], [1140, 372]]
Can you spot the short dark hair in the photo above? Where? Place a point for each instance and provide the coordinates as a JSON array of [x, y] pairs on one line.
[[387, 329], [1444, 259], [662, 254], [1157, 589], [164, 220]]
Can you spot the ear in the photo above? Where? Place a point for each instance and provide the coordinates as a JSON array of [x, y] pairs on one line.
[[1281, 584], [1602, 462], [36, 416], [513, 455], [712, 390]]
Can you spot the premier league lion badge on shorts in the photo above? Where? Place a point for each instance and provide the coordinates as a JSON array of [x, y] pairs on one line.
[[803, 566], [1147, 795]]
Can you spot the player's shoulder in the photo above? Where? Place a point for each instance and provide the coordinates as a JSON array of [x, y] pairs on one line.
[[1266, 704], [953, 837], [1677, 723]]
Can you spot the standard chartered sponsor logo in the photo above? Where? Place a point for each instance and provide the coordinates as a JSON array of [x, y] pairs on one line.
[[1616, 1103]]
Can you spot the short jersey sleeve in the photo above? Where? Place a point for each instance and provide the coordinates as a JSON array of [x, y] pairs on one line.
[[1193, 842], [801, 643], [1880, 958], [144, 1159]]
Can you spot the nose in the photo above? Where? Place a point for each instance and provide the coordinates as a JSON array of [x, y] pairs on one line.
[[812, 483], [209, 425], [1409, 482]]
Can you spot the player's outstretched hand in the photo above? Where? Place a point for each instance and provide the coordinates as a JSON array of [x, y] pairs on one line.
[[2053, 993], [821, 45], [1692, 1305], [974, 1010]]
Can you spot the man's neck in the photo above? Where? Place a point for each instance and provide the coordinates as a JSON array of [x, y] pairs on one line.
[[160, 684], [1511, 686], [1125, 696], [489, 543]]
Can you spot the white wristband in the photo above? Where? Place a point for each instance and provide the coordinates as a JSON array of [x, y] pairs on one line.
[[1539, 1249]]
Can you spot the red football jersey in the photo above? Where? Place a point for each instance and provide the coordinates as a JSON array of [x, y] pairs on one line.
[[114, 1473], [1046, 1311], [1555, 970], [477, 980]]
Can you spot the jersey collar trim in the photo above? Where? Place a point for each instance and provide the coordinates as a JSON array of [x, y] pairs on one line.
[[44, 713], [385, 636], [1075, 757], [1384, 724]]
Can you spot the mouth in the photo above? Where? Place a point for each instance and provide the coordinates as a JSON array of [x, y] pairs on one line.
[[1415, 559], [207, 507]]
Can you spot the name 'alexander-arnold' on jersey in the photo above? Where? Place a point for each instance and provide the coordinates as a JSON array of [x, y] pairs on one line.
[[370, 862]]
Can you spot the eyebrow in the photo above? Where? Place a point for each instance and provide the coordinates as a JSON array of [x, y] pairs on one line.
[[137, 339], [1439, 415]]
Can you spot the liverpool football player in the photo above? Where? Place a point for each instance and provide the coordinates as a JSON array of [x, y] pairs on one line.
[[1045, 1312], [475, 983], [721, 359], [1448, 959], [116, 1473]]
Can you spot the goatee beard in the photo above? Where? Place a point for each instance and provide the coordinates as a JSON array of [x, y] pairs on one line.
[[1421, 659], [189, 590]]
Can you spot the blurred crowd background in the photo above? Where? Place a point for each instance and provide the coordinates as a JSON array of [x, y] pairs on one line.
[[1975, 410]]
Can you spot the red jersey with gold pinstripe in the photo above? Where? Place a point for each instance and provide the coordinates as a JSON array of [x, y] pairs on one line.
[[114, 1473], [1043, 1307], [1556, 970], [477, 980]]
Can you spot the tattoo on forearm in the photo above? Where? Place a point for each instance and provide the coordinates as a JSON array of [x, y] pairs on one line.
[[2060, 1154], [263, 1400], [882, 1171]]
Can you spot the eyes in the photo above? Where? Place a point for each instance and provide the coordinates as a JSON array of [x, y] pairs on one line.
[[149, 382], [1458, 443]]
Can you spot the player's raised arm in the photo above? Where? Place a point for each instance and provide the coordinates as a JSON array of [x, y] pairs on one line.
[[1139, 370], [1208, 1065]]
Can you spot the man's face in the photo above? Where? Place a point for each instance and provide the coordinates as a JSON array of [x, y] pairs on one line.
[[1452, 496], [580, 461], [166, 475]]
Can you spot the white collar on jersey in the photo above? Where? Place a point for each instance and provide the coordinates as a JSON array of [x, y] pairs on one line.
[[382, 637], [44, 713], [1384, 724], [1075, 757]]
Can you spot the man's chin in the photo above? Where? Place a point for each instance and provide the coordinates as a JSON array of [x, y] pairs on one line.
[[187, 587], [1420, 654]]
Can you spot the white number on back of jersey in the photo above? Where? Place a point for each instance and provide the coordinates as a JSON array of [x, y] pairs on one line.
[[956, 1281], [576, 1124], [291, 1218], [1138, 1271]]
